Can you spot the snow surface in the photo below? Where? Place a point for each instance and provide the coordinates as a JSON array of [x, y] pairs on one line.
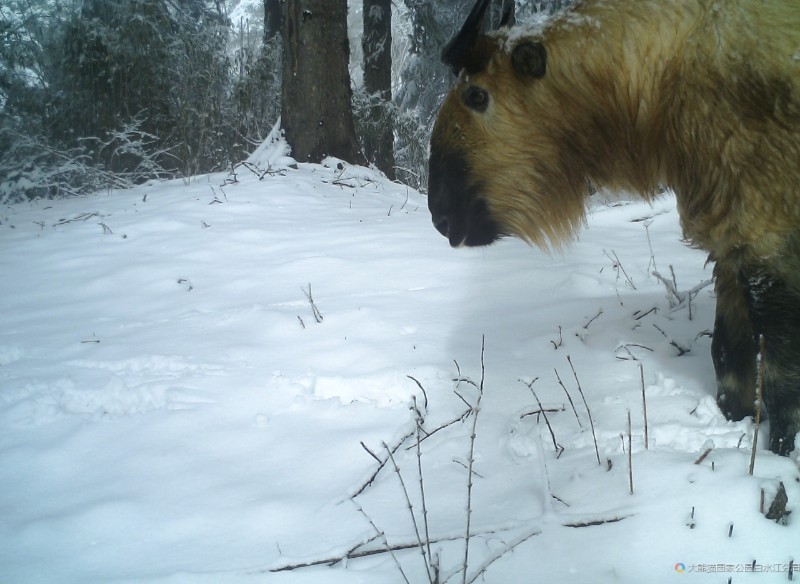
[[172, 412]]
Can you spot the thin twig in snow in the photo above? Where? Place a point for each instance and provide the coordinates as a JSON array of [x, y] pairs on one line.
[[639, 315], [595, 522], [644, 409], [81, 217], [372, 454], [541, 411], [569, 397], [464, 415], [594, 318], [759, 388], [556, 446], [317, 314], [381, 464], [675, 297], [618, 266], [421, 546], [355, 553], [499, 554], [418, 423], [703, 456], [471, 459], [588, 411], [626, 348], [630, 455], [382, 535], [681, 350], [647, 224], [422, 389], [560, 339]]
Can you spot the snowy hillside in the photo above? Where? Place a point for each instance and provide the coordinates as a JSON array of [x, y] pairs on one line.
[[196, 379]]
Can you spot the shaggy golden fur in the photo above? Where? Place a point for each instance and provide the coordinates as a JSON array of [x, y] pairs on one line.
[[701, 96]]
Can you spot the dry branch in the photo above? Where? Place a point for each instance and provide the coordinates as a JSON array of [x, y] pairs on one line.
[[422, 389], [317, 314], [675, 297], [381, 464], [594, 522], [382, 536], [588, 411], [618, 266], [542, 411], [422, 547], [560, 339], [432, 564], [471, 460], [630, 455], [556, 446], [594, 318], [644, 409], [702, 457], [569, 397], [499, 554], [626, 348], [759, 388], [361, 550]]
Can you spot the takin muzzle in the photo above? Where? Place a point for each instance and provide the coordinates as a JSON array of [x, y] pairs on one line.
[[458, 211]]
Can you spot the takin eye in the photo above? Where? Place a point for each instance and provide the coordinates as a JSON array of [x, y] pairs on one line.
[[476, 98]]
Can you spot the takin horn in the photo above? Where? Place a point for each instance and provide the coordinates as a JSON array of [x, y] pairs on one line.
[[459, 52]]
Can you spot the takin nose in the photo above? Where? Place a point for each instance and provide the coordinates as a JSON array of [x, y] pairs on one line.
[[457, 210], [441, 215], [446, 222], [472, 226], [442, 225]]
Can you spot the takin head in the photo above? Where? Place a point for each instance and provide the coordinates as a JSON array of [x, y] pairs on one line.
[[503, 160], [629, 95]]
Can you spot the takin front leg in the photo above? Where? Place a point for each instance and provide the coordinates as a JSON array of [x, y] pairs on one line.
[[732, 346], [775, 313]]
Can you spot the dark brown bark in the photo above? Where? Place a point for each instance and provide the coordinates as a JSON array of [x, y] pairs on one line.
[[316, 100], [272, 19], [377, 46]]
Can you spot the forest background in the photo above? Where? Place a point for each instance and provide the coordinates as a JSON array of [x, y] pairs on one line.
[[106, 94]]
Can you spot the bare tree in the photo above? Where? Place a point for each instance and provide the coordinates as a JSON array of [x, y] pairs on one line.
[[272, 19], [377, 46], [316, 98]]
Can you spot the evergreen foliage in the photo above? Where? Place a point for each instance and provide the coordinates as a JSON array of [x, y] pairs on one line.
[[101, 94], [108, 93]]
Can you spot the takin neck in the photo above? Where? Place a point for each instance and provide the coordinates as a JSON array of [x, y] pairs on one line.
[[614, 67], [685, 95]]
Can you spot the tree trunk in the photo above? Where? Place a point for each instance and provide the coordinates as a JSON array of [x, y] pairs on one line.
[[316, 99], [272, 19], [499, 9], [377, 45]]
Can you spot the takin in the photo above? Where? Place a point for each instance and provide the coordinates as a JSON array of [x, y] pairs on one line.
[[698, 96]]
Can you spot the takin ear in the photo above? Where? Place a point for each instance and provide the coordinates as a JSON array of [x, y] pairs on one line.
[[461, 52], [529, 59]]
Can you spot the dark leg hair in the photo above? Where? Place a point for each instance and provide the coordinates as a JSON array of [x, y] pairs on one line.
[[732, 346], [775, 313]]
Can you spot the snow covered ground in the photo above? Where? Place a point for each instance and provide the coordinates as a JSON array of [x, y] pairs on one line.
[[171, 411]]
